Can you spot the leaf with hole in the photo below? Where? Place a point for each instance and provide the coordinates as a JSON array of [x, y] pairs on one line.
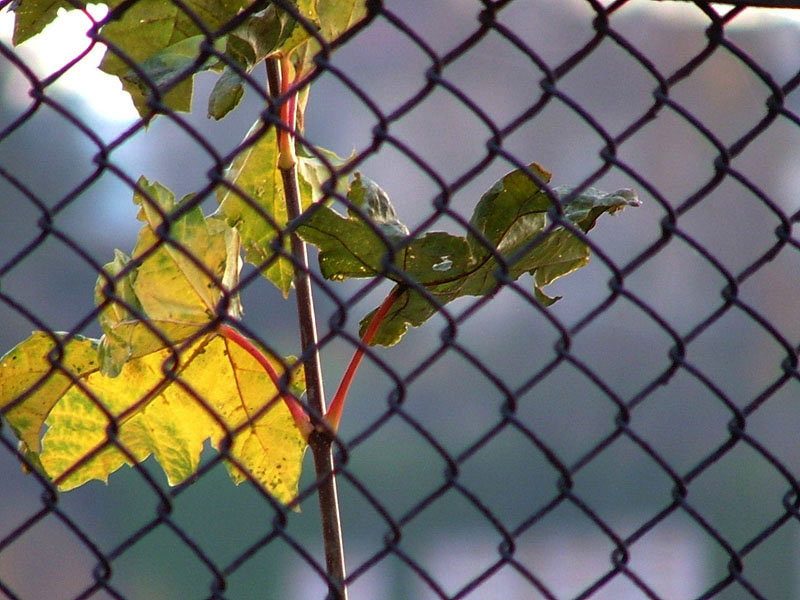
[[512, 232]]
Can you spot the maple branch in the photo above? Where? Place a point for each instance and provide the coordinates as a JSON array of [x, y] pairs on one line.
[[334, 414], [288, 113], [292, 403], [319, 440]]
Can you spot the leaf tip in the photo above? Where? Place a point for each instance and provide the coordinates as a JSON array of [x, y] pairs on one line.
[[543, 298], [625, 197], [540, 172]]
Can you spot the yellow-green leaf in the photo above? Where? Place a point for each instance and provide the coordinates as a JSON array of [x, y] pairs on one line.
[[161, 404], [184, 278], [161, 71], [253, 199], [35, 374], [333, 18], [32, 16], [267, 443], [175, 281], [338, 16], [301, 32], [148, 27], [320, 170], [254, 203], [226, 94]]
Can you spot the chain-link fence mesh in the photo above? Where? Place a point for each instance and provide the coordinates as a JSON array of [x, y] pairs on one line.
[[636, 440]]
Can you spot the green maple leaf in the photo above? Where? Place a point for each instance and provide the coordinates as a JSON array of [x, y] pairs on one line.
[[260, 36], [162, 38], [32, 16], [181, 270], [275, 32], [154, 30], [510, 232], [211, 388], [167, 45], [352, 246]]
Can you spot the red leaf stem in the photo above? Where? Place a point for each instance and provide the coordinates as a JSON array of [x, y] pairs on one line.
[[334, 414], [289, 399]]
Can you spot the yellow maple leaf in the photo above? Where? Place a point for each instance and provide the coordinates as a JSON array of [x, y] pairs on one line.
[[161, 404]]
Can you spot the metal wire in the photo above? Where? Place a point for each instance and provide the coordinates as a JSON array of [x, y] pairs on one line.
[[395, 519]]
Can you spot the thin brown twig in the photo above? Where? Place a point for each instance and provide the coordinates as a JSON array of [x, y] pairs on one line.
[[320, 440]]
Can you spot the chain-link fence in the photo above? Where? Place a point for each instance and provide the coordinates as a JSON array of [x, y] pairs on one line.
[[638, 439]]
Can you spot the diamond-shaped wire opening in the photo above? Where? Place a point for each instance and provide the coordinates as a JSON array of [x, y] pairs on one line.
[[677, 277], [71, 153], [752, 225], [482, 473], [764, 563], [292, 564], [424, 23], [620, 89], [753, 490], [498, 61], [682, 422], [565, 550], [486, 340], [413, 472], [624, 347], [64, 562], [645, 483], [387, 47], [188, 573], [672, 558], [239, 517], [768, 425], [567, 412], [425, 550], [29, 302], [754, 372], [552, 32], [454, 402], [450, 123], [740, 83]]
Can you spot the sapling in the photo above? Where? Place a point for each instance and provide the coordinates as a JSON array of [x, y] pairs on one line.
[[176, 365]]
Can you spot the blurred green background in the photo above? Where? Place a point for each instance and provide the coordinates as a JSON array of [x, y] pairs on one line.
[[684, 421]]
